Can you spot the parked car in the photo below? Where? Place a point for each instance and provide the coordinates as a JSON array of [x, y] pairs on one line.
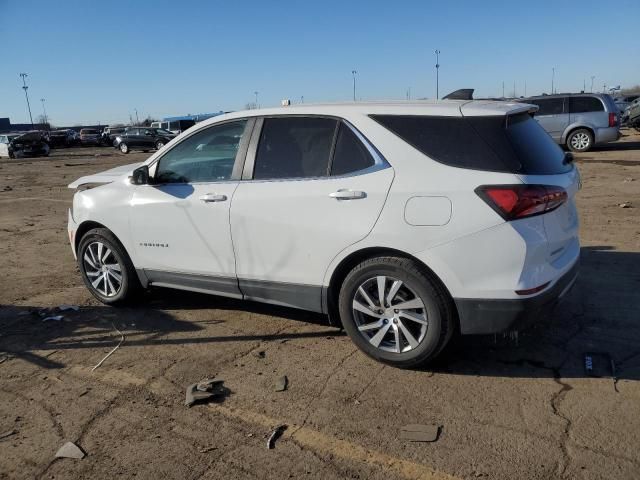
[[142, 138], [109, 135], [174, 126], [632, 114], [30, 144], [90, 136], [403, 222], [63, 138], [5, 140], [623, 102], [578, 121]]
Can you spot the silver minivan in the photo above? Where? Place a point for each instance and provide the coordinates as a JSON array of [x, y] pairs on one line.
[[578, 120]]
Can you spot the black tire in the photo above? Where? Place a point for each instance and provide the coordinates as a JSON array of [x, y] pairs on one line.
[[438, 310], [130, 284], [580, 140], [124, 148], [159, 144]]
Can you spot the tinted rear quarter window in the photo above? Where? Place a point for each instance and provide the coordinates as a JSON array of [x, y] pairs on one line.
[[585, 104], [350, 154], [514, 144]]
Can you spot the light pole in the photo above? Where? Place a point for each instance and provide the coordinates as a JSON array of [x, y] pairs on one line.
[[354, 73], [301, 98], [553, 77], [44, 110], [503, 89], [256, 94], [592, 79], [437, 74], [26, 95]]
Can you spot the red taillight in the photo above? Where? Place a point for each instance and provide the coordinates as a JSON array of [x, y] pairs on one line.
[[613, 119], [519, 201]]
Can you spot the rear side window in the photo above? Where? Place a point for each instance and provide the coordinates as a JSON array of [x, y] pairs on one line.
[[514, 144], [294, 147], [132, 131], [350, 154], [548, 106], [585, 104]]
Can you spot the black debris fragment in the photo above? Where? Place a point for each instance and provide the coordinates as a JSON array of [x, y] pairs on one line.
[[275, 435]]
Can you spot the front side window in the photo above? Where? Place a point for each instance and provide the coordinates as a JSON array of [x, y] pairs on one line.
[[350, 154], [206, 156], [585, 104], [549, 106], [294, 147]]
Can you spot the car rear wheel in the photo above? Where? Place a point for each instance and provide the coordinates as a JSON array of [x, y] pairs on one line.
[[124, 148], [580, 140], [106, 268], [395, 312], [159, 144]]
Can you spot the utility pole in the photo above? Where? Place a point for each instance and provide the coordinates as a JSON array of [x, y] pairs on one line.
[[354, 73], [409, 93], [514, 89], [302, 99], [592, 79], [553, 77], [256, 94], [137, 119], [584, 85], [44, 110], [437, 74], [503, 89], [26, 95]]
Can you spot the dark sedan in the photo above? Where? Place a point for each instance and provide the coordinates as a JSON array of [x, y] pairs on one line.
[[32, 144], [143, 138]]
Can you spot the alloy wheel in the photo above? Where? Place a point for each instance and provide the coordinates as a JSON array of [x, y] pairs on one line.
[[580, 141], [102, 269], [389, 314]]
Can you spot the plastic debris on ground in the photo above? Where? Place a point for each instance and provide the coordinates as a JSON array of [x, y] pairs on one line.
[[420, 433], [204, 391], [70, 450], [275, 435], [282, 383]]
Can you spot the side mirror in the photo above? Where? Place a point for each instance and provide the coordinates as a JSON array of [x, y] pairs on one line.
[[140, 176]]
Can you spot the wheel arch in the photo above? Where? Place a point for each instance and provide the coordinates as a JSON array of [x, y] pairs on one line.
[[332, 291], [572, 128]]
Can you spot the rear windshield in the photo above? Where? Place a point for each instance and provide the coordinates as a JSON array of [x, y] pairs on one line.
[[88, 131], [514, 144]]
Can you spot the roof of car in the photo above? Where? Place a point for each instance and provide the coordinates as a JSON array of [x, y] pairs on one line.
[[559, 95], [447, 108]]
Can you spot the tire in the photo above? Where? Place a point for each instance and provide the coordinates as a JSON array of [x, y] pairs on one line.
[[100, 275], [159, 144], [430, 327], [580, 140], [124, 148]]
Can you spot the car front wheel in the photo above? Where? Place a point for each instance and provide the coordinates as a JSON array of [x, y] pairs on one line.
[[106, 268], [580, 140], [395, 312], [159, 144], [124, 148]]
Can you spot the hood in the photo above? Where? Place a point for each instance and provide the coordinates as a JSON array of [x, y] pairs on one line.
[[107, 176]]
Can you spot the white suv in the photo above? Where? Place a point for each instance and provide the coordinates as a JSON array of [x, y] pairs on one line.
[[404, 222]]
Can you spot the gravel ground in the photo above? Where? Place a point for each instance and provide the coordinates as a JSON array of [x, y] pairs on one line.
[[508, 407]]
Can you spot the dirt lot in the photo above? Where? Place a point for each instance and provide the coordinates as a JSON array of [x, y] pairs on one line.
[[507, 409]]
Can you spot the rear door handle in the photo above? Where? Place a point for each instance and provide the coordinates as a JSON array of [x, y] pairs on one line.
[[213, 197], [346, 194]]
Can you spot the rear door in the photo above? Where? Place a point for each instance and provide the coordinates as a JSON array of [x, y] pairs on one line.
[[553, 115], [311, 188], [588, 110]]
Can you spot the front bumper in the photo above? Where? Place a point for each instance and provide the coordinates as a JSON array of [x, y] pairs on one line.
[[487, 316]]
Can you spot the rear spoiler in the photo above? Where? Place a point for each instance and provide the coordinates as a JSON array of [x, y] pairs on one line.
[[462, 94]]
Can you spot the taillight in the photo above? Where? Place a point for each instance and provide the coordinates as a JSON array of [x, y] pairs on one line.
[[518, 201], [613, 119]]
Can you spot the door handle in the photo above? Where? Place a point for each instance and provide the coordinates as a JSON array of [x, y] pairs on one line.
[[346, 194], [213, 197]]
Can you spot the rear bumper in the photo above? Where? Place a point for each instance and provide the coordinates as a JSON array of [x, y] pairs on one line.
[[606, 135], [487, 316]]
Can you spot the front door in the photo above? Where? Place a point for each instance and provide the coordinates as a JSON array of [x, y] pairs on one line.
[[315, 188], [180, 223]]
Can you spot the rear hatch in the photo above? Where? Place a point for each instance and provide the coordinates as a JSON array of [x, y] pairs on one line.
[[528, 151]]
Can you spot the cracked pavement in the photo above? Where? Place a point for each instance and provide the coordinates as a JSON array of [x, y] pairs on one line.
[[510, 407]]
